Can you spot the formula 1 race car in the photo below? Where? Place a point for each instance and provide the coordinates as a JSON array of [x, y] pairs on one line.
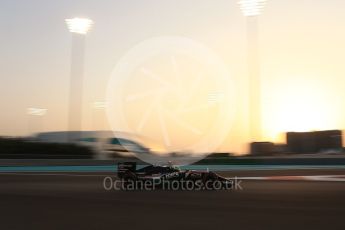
[[162, 175]]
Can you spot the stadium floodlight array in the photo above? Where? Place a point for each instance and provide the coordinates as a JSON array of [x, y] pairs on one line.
[[252, 7], [100, 104], [79, 25], [36, 111]]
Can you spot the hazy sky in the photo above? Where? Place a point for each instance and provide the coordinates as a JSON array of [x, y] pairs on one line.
[[301, 42]]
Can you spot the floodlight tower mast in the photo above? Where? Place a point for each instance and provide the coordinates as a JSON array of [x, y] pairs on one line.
[[79, 28], [251, 9]]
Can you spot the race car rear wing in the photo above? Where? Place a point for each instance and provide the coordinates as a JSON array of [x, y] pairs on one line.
[[123, 167]]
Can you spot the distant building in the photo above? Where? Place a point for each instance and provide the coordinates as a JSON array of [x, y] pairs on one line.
[[314, 142], [262, 148]]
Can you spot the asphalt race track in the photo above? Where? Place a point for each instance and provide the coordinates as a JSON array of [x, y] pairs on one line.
[[79, 201]]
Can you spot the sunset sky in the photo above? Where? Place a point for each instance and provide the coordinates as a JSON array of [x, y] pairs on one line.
[[301, 54]]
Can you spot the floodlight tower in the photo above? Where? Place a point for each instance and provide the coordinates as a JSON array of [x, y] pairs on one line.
[[251, 10], [99, 108], [35, 120], [79, 28]]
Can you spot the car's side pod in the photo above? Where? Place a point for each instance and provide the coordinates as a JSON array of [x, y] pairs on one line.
[[123, 167]]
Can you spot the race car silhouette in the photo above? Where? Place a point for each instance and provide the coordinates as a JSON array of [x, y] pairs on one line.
[[128, 172]]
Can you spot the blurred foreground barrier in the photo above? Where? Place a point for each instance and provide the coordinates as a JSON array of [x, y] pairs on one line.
[[15, 148]]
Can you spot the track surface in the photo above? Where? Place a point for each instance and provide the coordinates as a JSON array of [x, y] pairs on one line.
[[79, 201]]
